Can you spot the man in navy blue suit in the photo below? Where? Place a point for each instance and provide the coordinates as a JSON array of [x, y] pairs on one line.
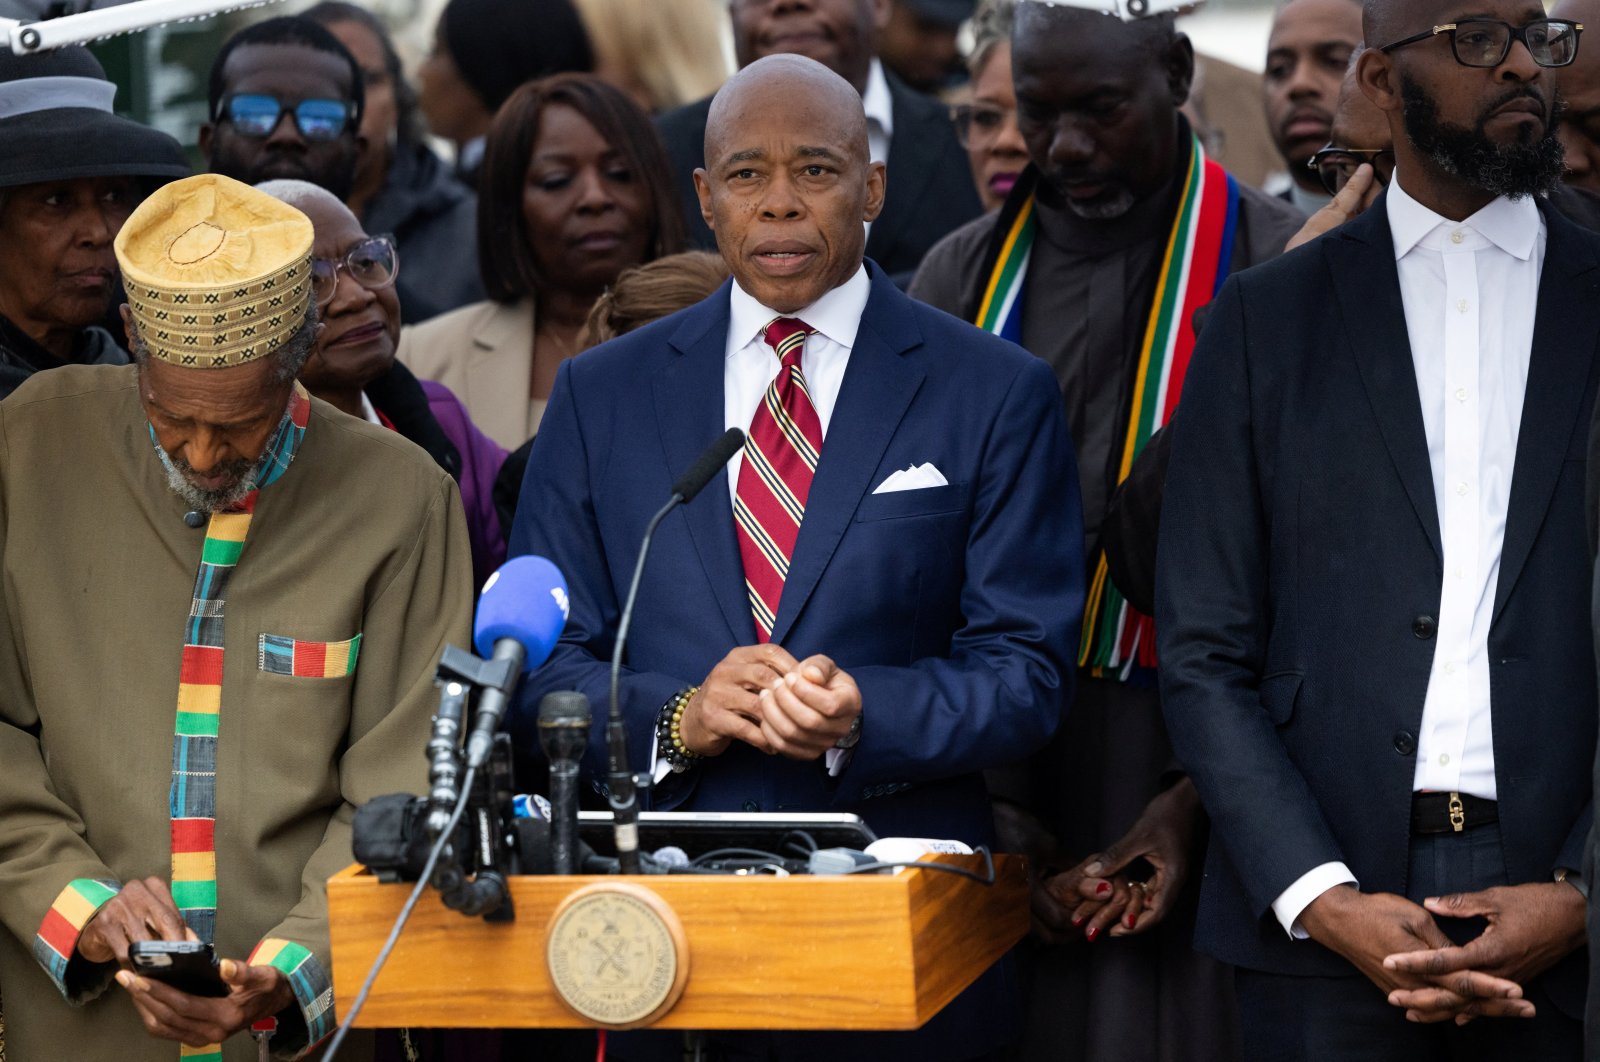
[[1372, 580], [880, 597]]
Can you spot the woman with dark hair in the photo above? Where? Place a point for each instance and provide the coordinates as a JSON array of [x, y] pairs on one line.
[[575, 190], [402, 188]]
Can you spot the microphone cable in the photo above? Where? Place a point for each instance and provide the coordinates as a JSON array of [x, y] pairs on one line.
[[405, 915]]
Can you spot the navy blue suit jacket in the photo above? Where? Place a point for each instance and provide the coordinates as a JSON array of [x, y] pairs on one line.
[[1299, 578], [955, 608]]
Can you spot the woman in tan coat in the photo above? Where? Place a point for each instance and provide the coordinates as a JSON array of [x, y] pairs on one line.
[[574, 191]]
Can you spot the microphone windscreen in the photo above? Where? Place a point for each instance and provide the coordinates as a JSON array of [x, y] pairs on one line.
[[525, 599], [564, 708], [708, 463]]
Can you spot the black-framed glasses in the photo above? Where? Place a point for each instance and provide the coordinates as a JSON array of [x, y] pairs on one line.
[[1336, 165], [257, 115], [1485, 42], [373, 263], [980, 123]]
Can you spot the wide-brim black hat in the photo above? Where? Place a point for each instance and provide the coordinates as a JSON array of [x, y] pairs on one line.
[[56, 124]]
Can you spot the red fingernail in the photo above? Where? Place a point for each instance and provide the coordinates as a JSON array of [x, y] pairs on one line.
[[1102, 888], [1093, 932], [1131, 920], [1076, 922]]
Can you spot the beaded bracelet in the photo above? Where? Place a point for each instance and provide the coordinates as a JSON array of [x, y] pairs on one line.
[[669, 738]]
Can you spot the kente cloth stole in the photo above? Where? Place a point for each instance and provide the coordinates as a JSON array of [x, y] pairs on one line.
[[193, 796], [1117, 638]]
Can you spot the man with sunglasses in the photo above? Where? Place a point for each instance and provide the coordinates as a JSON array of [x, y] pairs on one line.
[[1373, 584], [286, 100]]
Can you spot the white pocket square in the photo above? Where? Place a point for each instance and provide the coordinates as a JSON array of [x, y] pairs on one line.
[[914, 477]]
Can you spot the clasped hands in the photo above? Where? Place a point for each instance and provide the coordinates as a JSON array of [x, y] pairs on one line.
[[763, 696], [1398, 946], [144, 910]]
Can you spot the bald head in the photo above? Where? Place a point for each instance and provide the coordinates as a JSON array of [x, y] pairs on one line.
[[312, 200], [789, 180], [779, 84]]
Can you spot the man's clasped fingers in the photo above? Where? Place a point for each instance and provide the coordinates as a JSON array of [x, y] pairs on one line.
[[141, 910]]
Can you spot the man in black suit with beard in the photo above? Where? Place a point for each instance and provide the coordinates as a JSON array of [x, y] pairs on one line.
[[1373, 580], [930, 189]]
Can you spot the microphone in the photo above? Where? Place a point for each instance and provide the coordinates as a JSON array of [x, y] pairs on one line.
[[707, 465], [563, 735], [624, 799], [521, 612]]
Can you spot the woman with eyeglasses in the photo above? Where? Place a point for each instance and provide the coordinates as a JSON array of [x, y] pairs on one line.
[[575, 190], [353, 368], [987, 125]]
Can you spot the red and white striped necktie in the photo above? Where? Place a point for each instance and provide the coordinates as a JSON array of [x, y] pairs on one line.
[[780, 459]]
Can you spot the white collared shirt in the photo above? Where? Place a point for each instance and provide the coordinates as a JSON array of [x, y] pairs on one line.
[[751, 364], [879, 106], [1470, 290]]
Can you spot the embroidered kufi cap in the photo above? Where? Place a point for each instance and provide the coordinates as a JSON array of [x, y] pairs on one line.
[[217, 273]]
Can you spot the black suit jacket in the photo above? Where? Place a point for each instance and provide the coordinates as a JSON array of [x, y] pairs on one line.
[[1299, 578], [930, 190]]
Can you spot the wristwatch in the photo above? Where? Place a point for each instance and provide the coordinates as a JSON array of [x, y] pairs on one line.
[[849, 740], [1573, 878]]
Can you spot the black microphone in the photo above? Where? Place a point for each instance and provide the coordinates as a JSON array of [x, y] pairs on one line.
[[707, 465], [624, 798], [563, 735]]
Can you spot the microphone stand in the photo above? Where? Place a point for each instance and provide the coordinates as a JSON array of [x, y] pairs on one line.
[[624, 794]]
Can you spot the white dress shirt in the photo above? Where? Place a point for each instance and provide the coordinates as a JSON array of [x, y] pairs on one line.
[[1470, 290], [751, 365]]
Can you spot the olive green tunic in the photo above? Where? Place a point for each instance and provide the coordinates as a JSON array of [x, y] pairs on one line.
[[362, 535]]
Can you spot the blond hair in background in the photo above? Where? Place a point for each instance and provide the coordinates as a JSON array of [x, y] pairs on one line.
[[663, 53], [652, 291]]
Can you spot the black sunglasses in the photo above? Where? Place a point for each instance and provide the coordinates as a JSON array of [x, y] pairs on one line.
[[1484, 42], [257, 115], [1336, 165]]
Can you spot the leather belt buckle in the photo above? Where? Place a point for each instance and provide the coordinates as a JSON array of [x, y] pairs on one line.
[[1458, 814]]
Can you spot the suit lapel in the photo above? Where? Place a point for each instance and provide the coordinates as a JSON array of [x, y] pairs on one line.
[[1366, 283], [913, 157], [877, 389], [1565, 331], [500, 374], [690, 413]]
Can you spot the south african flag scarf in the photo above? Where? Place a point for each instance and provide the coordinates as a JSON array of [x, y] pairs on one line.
[[1117, 637]]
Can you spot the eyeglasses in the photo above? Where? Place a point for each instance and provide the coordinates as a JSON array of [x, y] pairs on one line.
[[257, 115], [373, 263], [1336, 165], [979, 124], [1486, 42]]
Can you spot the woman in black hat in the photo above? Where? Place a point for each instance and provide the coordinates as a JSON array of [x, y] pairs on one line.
[[70, 173]]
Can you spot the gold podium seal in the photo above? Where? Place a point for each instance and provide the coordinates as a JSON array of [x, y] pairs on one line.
[[617, 955]]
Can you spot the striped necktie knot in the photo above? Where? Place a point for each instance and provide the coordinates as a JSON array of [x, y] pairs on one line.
[[787, 335]]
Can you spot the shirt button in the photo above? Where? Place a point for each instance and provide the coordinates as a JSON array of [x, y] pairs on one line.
[[1461, 488], [1456, 573], [1450, 669], [1457, 236], [1461, 394], [1444, 759], [1461, 307]]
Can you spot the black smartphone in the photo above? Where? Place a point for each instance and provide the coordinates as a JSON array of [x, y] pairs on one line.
[[188, 965]]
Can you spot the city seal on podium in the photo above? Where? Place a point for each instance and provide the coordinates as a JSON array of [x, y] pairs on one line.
[[617, 955]]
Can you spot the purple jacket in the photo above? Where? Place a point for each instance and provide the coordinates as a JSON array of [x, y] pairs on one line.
[[481, 458]]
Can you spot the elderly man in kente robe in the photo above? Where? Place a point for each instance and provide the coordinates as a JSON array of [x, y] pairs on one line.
[[223, 605]]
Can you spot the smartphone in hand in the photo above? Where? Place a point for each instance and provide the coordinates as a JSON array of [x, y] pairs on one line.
[[190, 966]]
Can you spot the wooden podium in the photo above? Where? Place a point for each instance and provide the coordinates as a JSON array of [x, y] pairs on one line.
[[869, 951]]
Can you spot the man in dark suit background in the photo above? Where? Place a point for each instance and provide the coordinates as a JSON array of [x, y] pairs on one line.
[[880, 598], [1372, 591], [930, 190]]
